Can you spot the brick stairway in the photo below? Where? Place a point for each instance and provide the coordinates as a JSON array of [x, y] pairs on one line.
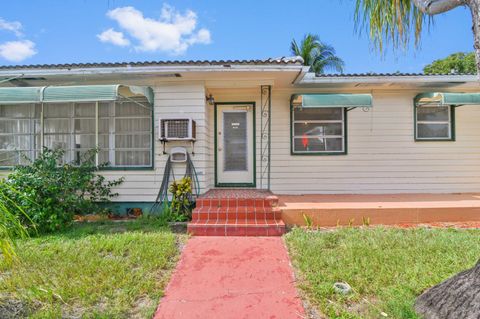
[[236, 213]]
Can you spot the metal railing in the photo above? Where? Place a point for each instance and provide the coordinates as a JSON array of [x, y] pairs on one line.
[[265, 136]]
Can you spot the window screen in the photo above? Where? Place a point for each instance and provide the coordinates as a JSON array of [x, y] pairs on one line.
[[319, 130]]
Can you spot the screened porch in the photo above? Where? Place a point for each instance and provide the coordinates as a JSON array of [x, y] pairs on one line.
[[114, 119]]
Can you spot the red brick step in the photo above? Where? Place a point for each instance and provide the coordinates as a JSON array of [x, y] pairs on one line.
[[233, 215]]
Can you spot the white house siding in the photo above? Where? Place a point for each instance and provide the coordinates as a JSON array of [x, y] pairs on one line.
[[382, 154], [171, 98]]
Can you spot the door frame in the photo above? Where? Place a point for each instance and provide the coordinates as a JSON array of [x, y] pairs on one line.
[[254, 182]]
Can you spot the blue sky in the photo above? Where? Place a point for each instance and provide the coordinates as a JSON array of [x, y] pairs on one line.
[[69, 31]]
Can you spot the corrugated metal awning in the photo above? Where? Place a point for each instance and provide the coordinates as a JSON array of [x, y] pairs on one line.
[[331, 100], [447, 99], [81, 93], [20, 95]]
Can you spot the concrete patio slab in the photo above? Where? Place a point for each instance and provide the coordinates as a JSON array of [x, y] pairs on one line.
[[232, 277]]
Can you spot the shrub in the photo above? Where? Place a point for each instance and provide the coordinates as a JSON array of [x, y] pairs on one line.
[[182, 204], [51, 193]]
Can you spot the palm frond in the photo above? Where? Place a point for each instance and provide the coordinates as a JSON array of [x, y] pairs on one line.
[[316, 54], [387, 21]]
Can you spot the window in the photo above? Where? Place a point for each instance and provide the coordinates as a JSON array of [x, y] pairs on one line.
[[318, 130], [19, 133], [434, 123], [122, 131]]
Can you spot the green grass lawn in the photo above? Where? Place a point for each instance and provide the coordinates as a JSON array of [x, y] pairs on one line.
[[386, 267], [93, 270]]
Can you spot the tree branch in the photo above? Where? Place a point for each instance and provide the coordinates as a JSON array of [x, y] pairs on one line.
[[432, 7]]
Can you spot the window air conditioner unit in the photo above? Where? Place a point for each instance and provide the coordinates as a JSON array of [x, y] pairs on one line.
[[177, 129]]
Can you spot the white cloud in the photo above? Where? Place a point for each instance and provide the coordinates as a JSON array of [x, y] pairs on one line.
[[13, 26], [114, 37], [17, 51], [173, 32]]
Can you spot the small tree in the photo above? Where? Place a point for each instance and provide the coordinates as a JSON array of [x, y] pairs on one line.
[[455, 63]]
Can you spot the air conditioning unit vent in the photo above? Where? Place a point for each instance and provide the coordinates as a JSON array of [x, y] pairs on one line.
[[177, 129]]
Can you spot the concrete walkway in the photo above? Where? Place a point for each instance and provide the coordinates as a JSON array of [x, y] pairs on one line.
[[232, 277]]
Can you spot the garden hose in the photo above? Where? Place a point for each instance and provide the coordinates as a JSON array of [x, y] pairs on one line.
[[162, 196]]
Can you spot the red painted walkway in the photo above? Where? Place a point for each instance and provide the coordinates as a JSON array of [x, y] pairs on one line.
[[232, 277]]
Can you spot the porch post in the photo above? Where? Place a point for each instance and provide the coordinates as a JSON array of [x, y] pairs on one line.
[[265, 135]]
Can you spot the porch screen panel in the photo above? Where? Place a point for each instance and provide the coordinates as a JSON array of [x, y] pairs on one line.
[[58, 128], [133, 134], [121, 130], [84, 135], [235, 141], [71, 127], [19, 133], [106, 132]]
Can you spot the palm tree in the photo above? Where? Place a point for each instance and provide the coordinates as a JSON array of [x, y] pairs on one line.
[[396, 20], [316, 54]]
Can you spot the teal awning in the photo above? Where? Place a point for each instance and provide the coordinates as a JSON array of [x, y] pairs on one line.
[[445, 99], [20, 95], [331, 100], [80, 93]]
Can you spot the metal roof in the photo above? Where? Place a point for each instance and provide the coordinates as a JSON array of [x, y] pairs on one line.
[[269, 61], [371, 74]]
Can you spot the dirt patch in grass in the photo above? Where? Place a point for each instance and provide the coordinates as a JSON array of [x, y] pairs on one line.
[[142, 307], [12, 308]]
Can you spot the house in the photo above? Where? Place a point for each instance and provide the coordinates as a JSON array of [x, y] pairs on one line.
[[258, 124]]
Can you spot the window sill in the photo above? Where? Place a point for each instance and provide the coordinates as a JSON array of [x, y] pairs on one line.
[[146, 168], [126, 168], [434, 140], [317, 153]]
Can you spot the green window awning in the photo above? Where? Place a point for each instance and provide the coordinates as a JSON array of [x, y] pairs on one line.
[[447, 99], [331, 100], [20, 95], [80, 93]]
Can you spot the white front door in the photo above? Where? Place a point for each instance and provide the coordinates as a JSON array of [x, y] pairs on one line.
[[235, 152]]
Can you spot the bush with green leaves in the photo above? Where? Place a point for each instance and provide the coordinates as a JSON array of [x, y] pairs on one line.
[[182, 204], [51, 193]]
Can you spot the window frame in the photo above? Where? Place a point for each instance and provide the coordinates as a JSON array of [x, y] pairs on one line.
[[319, 153], [111, 119], [451, 125]]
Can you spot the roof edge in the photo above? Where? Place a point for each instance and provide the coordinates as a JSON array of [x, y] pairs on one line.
[[295, 60], [311, 78]]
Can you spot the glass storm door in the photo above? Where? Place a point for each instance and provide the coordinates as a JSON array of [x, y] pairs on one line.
[[235, 152]]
